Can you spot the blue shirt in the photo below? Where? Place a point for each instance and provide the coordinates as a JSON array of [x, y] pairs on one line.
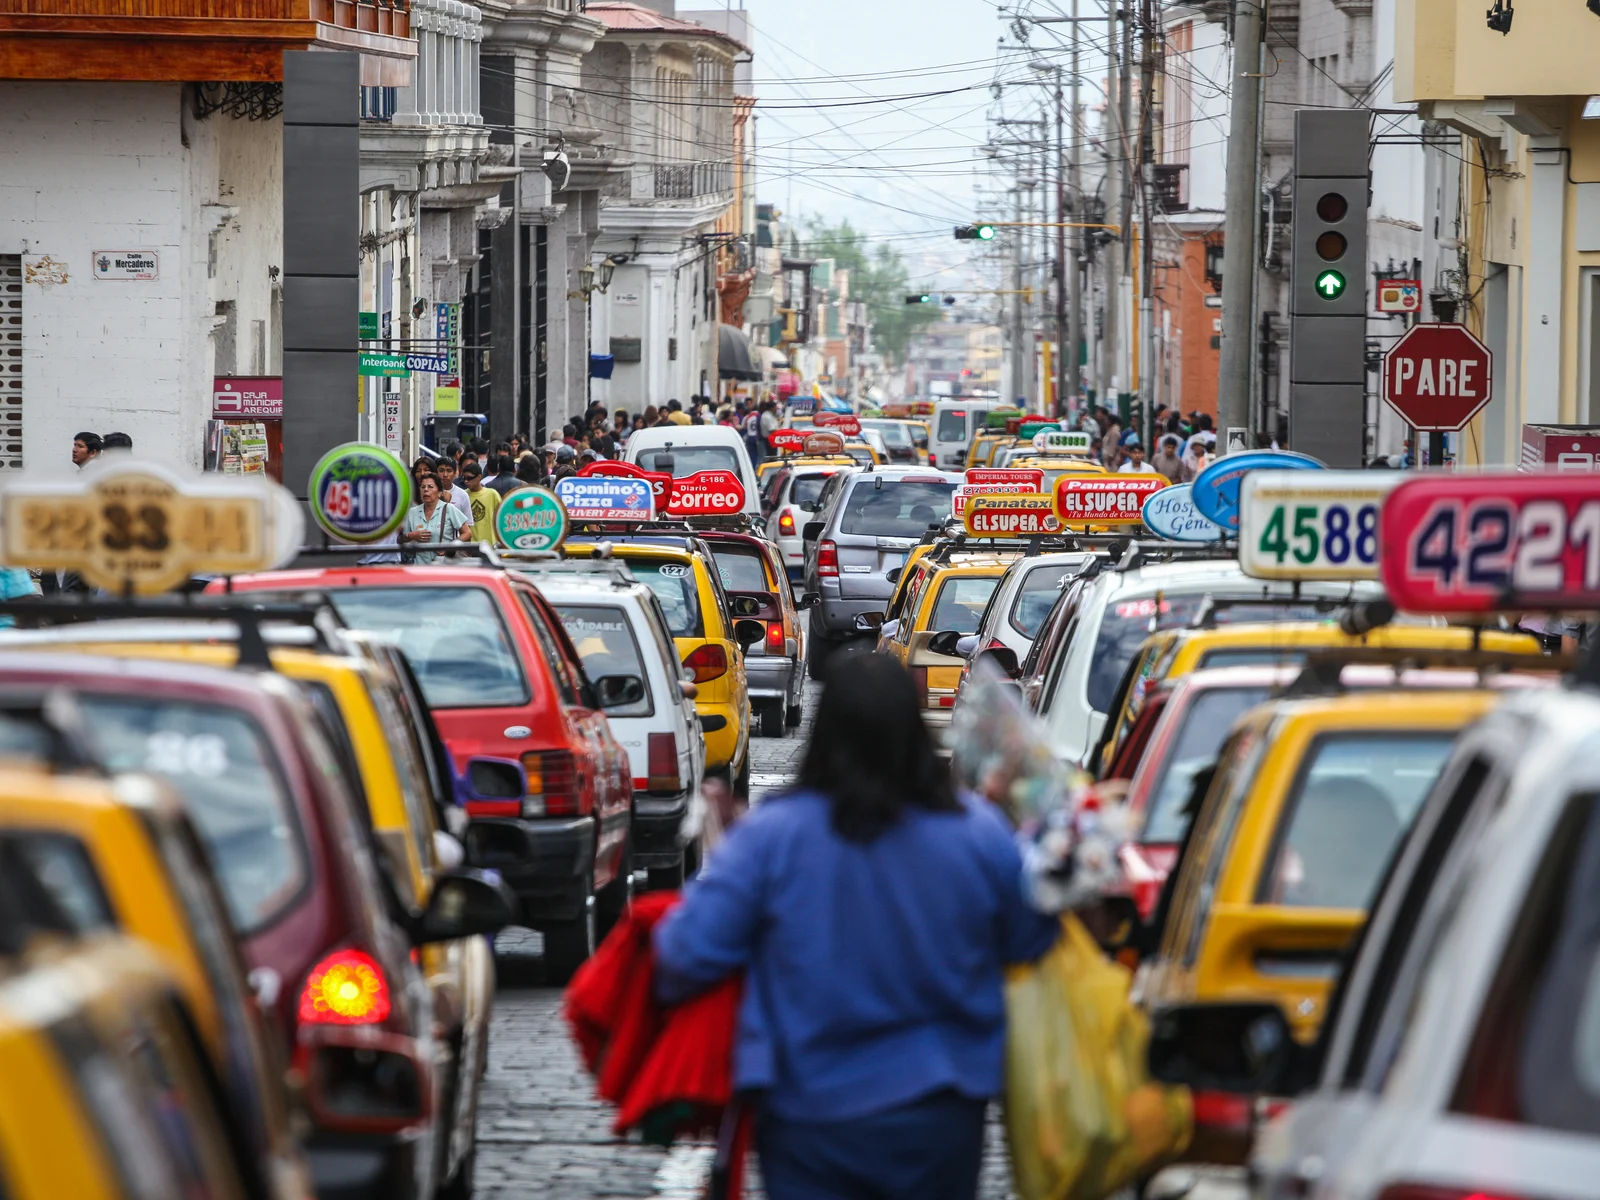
[[873, 970]]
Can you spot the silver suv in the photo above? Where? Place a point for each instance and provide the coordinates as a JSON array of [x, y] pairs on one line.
[[867, 521]]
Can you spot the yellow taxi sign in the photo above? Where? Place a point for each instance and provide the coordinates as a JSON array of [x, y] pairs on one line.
[[1010, 515], [131, 526]]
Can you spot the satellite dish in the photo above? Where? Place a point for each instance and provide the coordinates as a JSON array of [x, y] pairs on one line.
[[558, 169]]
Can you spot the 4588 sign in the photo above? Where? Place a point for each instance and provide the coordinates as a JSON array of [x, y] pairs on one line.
[[1480, 543], [1311, 524]]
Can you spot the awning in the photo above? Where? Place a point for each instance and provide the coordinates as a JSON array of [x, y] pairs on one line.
[[733, 355], [772, 358]]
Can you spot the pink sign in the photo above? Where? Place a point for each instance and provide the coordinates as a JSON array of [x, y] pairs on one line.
[[239, 397]]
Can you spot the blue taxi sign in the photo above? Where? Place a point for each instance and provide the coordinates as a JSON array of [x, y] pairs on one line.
[[606, 498], [1215, 491]]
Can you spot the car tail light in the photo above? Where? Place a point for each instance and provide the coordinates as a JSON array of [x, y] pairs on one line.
[[774, 637], [708, 663], [1425, 1191], [1222, 1111], [786, 523], [827, 559], [552, 784], [345, 988], [663, 766], [995, 644]]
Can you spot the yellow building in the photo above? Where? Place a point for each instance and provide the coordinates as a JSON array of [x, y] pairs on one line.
[[1526, 107]]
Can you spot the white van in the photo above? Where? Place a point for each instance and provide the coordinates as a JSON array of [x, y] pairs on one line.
[[955, 423], [680, 450]]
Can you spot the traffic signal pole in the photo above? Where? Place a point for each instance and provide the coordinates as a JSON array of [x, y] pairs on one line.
[[1239, 225]]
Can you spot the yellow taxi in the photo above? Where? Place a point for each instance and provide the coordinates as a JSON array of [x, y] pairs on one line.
[[1310, 798], [1055, 466], [981, 452], [862, 455], [698, 617], [1173, 653], [121, 855], [943, 602], [103, 1093], [766, 469]]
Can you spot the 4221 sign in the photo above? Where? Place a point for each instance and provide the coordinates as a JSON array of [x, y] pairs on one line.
[[136, 527]]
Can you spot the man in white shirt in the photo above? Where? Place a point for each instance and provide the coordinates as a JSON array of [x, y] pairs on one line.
[[450, 491], [1134, 463]]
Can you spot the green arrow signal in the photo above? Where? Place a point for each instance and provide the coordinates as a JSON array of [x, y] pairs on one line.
[[1330, 285]]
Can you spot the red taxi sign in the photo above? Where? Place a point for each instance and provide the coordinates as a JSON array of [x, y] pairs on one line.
[[1473, 543], [1032, 476], [823, 443], [786, 441], [660, 482], [1025, 514], [705, 493], [843, 422], [1104, 499]]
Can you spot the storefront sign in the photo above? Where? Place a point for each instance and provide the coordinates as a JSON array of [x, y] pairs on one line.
[[531, 518], [605, 498], [1472, 543], [436, 364], [1171, 514], [387, 366], [359, 492], [367, 326], [142, 265], [391, 420], [1216, 489], [1311, 524], [1023, 515], [1105, 499], [127, 525], [447, 394], [238, 398], [447, 323], [1560, 447]]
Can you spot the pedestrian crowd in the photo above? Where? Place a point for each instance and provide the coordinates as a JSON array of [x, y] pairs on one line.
[[1184, 445]]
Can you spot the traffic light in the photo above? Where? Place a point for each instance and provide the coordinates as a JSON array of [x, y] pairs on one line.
[[920, 298], [974, 233], [1328, 285]]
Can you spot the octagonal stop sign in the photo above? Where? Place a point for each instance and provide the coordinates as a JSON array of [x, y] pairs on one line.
[[1437, 377]]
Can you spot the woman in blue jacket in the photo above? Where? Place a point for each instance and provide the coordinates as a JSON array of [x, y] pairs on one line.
[[872, 910]]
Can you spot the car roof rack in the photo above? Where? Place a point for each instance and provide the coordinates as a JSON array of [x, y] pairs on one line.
[[1148, 551], [599, 564], [1323, 669], [1206, 616]]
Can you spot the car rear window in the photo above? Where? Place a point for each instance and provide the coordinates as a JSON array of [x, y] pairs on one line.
[[454, 636], [953, 425], [960, 603], [686, 460], [741, 570], [1040, 589], [1194, 746], [807, 488], [219, 762], [880, 507], [604, 639], [1353, 802], [674, 585], [893, 434]]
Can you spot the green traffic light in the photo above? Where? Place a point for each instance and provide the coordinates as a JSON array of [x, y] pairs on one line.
[[1330, 285], [985, 233]]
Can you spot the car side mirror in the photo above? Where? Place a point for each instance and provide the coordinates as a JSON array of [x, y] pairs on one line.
[[465, 904], [492, 779], [812, 531], [1244, 1047], [1002, 658], [748, 633], [809, 600], [869, 622], [893, 574], [618, 691], [944, 642], [745, 606]]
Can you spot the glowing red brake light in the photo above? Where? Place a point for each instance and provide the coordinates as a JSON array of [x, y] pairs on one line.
[[345, 988], [708, 663], [774, 637], [786, 524], [1423, 1191], [827, 559], [1222, 1111]]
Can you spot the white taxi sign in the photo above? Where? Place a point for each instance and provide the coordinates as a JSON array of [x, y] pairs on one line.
[[1062, 441], [1312, 524], [139, 527]]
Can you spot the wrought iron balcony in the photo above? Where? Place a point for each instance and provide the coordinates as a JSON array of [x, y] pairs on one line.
[[691, 180]]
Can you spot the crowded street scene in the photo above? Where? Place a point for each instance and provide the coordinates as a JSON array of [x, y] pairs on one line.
[[925, 600]]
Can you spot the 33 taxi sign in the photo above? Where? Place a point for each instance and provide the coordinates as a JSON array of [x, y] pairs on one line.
[[1466, 543], [1311, 524], [131, 526], [531, 518]]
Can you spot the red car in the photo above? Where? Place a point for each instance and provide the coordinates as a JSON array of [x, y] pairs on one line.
[[504, 681]]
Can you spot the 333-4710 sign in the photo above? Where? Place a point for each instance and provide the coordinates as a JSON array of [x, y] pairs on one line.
[[1481, 543]]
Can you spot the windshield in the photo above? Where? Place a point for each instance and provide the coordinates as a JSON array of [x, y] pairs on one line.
[[807, 488], [892, 432], [454, 637], [953, 425], [961, 602], [1193, 747], [1127, 622], [686, 460], [605, 642], [219, 762], [880, 507], [1037, 596], [674, 585], [1354, 801], [740, 572]]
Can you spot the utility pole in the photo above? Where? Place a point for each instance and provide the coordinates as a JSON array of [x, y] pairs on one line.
[[1059, 180], [1072, 351], [1109, 354], [1243, 203], [1147, 260]]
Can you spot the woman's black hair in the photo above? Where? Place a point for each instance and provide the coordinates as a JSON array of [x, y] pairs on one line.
[[423, 478], [870, 752]]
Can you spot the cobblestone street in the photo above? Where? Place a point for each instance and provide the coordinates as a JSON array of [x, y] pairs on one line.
[[541, 1132]]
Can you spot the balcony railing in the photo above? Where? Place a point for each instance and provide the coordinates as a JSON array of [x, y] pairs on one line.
[[690, 180]]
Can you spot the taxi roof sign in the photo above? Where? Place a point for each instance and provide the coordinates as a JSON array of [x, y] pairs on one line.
[[1312, 525], [139, 527], [531, 518], [1062, 441], [605, 497], [823, 442], [1026, 514], [359, 492]]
